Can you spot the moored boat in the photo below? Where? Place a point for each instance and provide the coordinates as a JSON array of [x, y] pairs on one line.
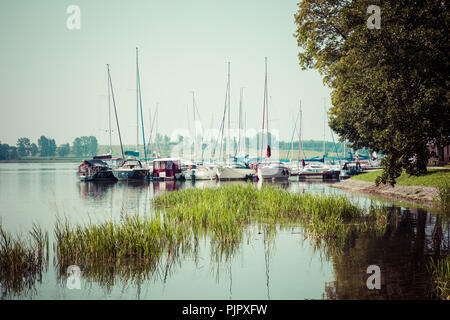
[[235, 171], [167, 169], [131, 169], [272, 170], [95, 170]]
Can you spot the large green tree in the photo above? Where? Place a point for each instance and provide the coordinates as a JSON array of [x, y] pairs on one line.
[[389, 85], [47, 146], [23, 147]]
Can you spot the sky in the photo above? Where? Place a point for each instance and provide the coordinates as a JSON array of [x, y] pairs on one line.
[[53, 80]]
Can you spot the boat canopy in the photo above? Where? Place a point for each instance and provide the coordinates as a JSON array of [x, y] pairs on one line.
[[96, 163], [103, 157], [132, 153]]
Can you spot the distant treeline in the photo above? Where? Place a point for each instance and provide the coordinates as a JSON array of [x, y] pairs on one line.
[[87, 146], [46, 147]]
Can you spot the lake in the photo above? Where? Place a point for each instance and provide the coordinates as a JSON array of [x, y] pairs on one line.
[[291, 266]]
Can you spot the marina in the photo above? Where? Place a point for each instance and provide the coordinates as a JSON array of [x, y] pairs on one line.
[[213, 152]]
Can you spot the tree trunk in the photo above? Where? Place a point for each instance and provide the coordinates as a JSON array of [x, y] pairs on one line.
[[441, 154]]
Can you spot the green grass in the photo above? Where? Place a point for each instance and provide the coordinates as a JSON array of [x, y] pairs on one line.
[[433, 178]]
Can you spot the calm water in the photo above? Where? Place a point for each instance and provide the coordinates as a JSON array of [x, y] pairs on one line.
[[290, 267]]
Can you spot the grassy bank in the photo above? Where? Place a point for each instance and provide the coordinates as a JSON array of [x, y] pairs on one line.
[[433, 178]]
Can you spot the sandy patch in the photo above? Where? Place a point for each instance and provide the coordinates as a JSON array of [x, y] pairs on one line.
[[427, 195]]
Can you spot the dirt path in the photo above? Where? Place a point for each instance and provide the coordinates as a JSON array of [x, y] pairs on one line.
[[423, 195]]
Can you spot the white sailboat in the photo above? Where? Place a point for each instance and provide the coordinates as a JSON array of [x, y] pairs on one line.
[[269, 169], [231, 171]]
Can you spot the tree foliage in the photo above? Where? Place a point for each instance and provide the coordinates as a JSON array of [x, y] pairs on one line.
[[23, 147], [389, 86], [63, 150], [8, 152], [47, 147]]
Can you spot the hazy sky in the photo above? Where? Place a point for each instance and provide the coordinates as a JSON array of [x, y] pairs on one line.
[[53, 80]]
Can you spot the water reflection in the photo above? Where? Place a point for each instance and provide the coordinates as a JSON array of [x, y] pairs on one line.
[[402, 253]]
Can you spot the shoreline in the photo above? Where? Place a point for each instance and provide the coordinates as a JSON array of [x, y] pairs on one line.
[[41, 160], [427, 196]]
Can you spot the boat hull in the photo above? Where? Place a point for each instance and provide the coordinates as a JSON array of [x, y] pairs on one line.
[[131, 174], [278, 173], [229, 173], [104, 175]]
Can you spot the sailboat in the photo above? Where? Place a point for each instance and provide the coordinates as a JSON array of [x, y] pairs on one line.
[[268, 169], [132, 168], [235, 170], [96, 169]]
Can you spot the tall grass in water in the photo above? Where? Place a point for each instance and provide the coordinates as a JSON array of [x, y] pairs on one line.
[[22, 259], [134, 238], [223, 214], [225, 211], [440, 273], [444, 195]]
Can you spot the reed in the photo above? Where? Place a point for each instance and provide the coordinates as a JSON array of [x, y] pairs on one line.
[[225, 211], [134, 238], [22, 259], [182, 218], [444, 195], [440, 273]]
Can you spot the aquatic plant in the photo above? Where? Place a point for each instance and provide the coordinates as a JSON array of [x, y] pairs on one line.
[[440, 273], [225, 211], [22, 259], [133, 238], [444, 195]]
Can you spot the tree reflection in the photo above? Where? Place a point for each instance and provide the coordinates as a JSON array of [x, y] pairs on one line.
[[402, 253]]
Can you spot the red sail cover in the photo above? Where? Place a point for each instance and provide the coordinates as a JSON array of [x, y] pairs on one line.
[[268, 152]]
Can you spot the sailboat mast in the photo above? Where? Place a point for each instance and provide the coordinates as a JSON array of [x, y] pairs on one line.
[[240, 120], [195, 126], [140, 104], [299, 135], [115, 110], [109, 115], [137, 103], [229, 118], [264, 109], [324, 124], [245, 131]]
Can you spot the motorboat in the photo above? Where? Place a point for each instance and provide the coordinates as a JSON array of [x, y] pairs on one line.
[[273, 170], [167, 169], [95, 170], [131, 169], [234, 171]]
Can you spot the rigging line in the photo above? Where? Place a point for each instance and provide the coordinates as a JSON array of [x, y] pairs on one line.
[[292, 138], [151, 131]]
